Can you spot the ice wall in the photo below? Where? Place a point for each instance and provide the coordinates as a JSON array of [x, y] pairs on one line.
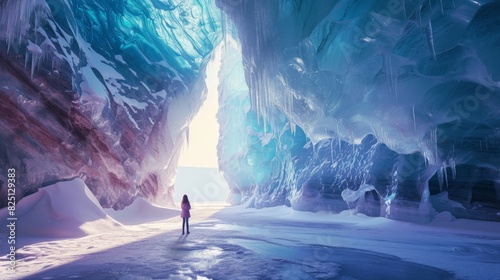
[[91, 89], [400, 96], [373, 105]]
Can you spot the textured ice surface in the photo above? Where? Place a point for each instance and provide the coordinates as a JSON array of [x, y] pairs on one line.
[[317, 99], [87, 89], [399, 95]]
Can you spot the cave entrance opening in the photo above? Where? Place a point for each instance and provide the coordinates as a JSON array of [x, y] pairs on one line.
[[198, 170]]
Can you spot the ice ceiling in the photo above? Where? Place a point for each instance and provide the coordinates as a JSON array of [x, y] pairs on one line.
[[381, 106]]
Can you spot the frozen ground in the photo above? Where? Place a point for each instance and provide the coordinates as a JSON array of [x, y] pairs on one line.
[[274, 243]]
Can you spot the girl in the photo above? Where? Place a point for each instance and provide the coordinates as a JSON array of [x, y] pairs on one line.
[[185, 206]]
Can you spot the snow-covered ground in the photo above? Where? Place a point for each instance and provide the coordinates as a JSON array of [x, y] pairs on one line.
[[239, 243]]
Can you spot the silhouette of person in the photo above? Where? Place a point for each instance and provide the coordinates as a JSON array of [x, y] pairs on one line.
[[185, 206]]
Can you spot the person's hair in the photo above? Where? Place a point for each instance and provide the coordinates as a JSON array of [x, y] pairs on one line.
[[185, 199]]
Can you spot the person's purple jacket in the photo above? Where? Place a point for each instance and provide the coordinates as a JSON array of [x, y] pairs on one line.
[[185, 210]]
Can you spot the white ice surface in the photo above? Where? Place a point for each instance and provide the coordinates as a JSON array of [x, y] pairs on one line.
[[271, 243]]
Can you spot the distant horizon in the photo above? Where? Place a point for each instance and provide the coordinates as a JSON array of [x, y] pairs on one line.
[[204, 167], [200, 184]]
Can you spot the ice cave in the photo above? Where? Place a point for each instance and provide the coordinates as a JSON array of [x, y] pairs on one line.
[[387, 109]]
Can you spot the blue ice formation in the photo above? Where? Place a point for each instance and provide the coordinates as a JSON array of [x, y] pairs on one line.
[[378, 106], [87, 88], [374, 105]]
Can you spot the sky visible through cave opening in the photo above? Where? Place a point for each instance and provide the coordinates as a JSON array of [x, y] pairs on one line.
[[204, 128], [197, 173]]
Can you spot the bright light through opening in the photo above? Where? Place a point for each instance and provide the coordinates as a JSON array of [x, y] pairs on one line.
[[197, 172], [204, 128]]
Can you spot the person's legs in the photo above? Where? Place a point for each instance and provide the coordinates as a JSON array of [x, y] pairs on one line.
[[184, 220], [187, 224]]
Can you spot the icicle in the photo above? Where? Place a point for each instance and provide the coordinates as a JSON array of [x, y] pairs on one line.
[[36, 55], [394, 84], [388, 75], [442, 7], [445, 173], [433, 135], [293, 127], [331, 149], [338, 137], [404, 8], [419, 16], [414, 121], [440, 178], [430, 39], [15, 18], [453, 167]]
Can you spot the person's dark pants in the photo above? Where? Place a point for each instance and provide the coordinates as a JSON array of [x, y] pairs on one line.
[[185, 221]]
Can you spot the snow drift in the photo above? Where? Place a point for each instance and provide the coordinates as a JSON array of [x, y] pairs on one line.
[[142, 211], [65, 209]]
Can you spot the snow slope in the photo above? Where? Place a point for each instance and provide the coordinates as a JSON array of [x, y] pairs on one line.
[[65, 209], [141, 211]]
